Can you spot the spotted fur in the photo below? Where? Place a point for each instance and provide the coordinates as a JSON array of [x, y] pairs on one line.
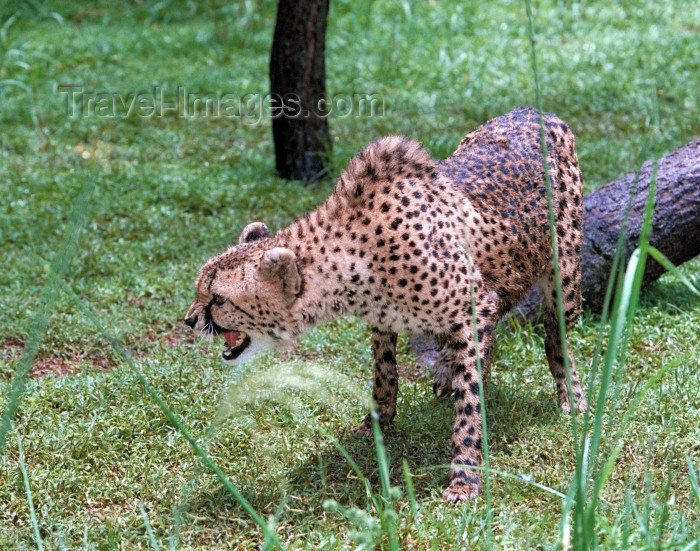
[[406, 243]]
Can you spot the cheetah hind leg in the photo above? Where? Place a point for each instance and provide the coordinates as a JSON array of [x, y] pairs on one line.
[[444, 371], [447, 366], [571, 291], [555, 359], [385, 382]]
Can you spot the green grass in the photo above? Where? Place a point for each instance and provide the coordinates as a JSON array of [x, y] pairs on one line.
[[105, 467]]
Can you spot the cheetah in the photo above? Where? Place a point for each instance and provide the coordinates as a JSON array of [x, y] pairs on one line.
[[406, 243]]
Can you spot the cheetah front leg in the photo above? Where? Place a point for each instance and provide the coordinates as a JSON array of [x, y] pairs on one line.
[[385, 381], [465, 483]]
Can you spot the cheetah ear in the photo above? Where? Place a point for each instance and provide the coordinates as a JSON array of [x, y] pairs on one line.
[[279, 265], [253, 232]]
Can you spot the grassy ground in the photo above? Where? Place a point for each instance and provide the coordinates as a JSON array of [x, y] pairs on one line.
[[105, 467]]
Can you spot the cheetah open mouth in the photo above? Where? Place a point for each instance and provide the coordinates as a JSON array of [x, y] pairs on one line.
[[236, 343]]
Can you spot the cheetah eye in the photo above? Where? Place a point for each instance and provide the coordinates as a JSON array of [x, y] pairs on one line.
[[218, 299]]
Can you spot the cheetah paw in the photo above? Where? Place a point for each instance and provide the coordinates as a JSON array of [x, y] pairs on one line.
[[441, 390], [581, 404], [363, 429], [459, 491], [442, 381]]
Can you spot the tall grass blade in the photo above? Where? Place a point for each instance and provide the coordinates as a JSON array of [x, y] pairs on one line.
[[694, 485], [268, 543], [174, 420], [657, 255], [353, 464], [643, 243], [30, 502], [149, 528], [552, 220], [663, 497], [387, 513], [619, 337], [479, 370], [578, 480], [5, 26], [410, 490], [40, 321], [610, 303], [695, 488], [643, 253], [511, 476], [617, 440], [460, 532]]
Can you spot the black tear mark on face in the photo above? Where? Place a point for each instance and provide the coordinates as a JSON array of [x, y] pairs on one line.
[[244, 312], [209, 320]]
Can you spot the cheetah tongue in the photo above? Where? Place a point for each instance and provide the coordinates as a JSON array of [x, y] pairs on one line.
[[232, 338], [236, 343]]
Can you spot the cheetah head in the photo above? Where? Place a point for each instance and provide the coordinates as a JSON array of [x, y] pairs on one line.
[[245, 293]]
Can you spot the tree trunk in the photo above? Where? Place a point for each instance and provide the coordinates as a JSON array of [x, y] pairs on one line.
[[298, 88], [675, 229]]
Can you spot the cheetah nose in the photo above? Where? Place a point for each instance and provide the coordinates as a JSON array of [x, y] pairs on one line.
[[191, 321]]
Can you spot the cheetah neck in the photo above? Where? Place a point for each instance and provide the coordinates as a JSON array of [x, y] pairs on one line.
[[320, 243]]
